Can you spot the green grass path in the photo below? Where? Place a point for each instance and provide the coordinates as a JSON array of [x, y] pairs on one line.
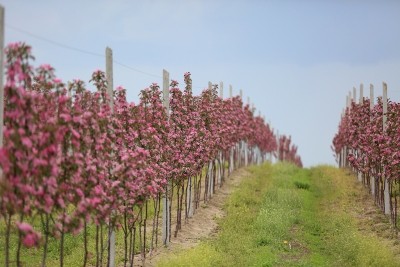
[[286, 216]]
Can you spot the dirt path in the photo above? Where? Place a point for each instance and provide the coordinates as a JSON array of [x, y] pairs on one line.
[[203, 224]]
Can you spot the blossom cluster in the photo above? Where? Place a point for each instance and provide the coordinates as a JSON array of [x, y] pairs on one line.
[[68, 155], [372, 150]]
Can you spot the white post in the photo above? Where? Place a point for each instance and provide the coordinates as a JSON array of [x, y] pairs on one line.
[[359, 176], [221, 90], [165, 214], [384, 107], [371, 106], [344, 148], [231, 161], [189, 198], [360, 102], [371, 96], [231, 167], [349, 103], [109, 77], [246, 154], [386, 192], [1, 80], [1, 74], [354, 99], [218, 171], [210, 179], [241, 94], [210, 173], [221, 95], [244, 144], [277, 141]]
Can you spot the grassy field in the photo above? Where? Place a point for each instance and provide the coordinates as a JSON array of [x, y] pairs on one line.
[[286, 216]]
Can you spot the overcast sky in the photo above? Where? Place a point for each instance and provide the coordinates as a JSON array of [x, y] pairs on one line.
[[296, 60]]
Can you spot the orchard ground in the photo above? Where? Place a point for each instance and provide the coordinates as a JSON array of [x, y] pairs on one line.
[[281, 215], [271, 215]]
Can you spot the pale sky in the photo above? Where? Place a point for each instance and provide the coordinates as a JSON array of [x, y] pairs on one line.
[[295, 60]]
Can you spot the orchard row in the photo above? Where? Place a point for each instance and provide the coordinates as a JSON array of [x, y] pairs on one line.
[[74, 157], [368, 141]]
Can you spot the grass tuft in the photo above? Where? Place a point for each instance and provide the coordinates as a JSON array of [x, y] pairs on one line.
[[301, 185]]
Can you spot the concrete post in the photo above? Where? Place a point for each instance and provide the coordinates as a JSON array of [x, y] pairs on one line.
[[165, 200], [360, 102], [221, 90], [1, 74], [109, 77], [386, 192], [371, 106]]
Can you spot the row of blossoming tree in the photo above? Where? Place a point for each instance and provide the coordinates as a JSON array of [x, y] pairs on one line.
[[72, 163], [287, 151], [367, 142]]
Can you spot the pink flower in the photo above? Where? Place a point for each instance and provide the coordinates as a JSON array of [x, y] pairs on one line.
[[27, 142], [24, 227], [30, 240]]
